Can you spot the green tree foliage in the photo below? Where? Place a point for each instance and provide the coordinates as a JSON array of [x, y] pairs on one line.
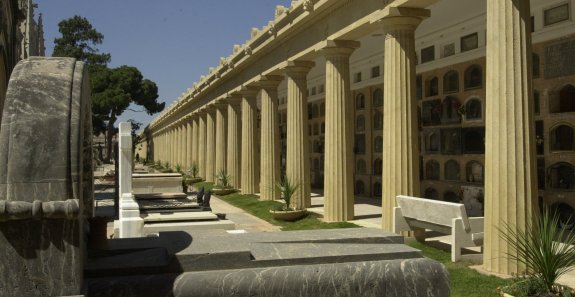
[[113, 89], [79, 41]]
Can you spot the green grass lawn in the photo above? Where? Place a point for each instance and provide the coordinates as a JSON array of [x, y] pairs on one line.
[[465, 282], [260, 209], [252, 205], [206, 185]]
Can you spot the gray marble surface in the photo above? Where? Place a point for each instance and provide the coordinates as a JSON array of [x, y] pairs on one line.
[[338, 262], [391, 278], [42, 153]]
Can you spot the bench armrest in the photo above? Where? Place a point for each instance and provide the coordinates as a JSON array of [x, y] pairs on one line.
[[476, 224], [399, 222]]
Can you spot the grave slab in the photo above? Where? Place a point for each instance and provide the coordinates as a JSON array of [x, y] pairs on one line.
[[341, 262], [178, 216]]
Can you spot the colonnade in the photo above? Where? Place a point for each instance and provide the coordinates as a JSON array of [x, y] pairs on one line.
[[221, 135]]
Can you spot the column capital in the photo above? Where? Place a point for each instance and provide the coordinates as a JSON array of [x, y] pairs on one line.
[[269, 81], [221, 104], [234, 99], [248, 92], [403, 17], [201, 111], [211, 107], [339, 47], [297, 68]]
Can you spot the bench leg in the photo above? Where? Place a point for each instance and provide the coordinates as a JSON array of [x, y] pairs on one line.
[[419, 234], [455, 250]]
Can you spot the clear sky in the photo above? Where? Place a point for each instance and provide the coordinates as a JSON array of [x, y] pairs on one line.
[[172, 42]]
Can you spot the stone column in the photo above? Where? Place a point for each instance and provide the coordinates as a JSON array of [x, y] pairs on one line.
[[156, 141], [163, 147], [250, 184], [221, 137], [234, 141], [211, 144], [183, 143], [400, 174], [189, 135], [178, 145], [270, 138], [202, 143], [169, 146], [339, 164], [297, 167], [195, 138], [510, 170], [173, 147]]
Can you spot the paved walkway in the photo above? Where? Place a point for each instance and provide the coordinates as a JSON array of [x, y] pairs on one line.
[[243, 220]]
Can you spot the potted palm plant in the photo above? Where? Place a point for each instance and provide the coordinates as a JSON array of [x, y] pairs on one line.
[[193, 177], [223, 186], [286, 212], [547, 250]]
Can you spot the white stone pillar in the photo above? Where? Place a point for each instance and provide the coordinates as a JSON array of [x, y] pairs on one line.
[[221, 137], [250, 184], [233, 158], [211, 144], [400, 174], [339, 138], [131, 224], [202, 143], [297, 167], [510, 170], [270, 140]]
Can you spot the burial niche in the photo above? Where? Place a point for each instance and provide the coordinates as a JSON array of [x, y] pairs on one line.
[[562, 138], [473, 77], [562, 176], [432, 170]]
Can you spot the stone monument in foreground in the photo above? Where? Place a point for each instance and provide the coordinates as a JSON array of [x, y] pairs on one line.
[[130, 223], [46, 183]]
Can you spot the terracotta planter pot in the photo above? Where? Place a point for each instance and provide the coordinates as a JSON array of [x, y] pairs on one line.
[[289, 215], [217, 191]]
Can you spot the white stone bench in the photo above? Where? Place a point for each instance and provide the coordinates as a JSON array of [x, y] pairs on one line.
[[418, 214]]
